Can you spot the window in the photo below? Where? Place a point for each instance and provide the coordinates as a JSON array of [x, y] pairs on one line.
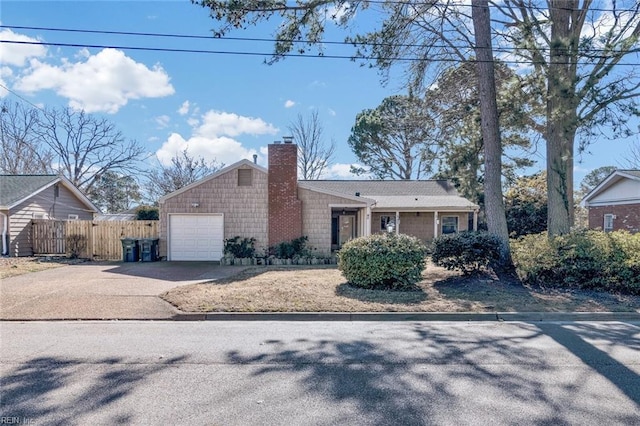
[[449, 224], [244, 177], [73, 217], [608, 222], [387, 223]]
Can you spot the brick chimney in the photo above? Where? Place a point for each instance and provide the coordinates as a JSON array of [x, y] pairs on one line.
[[285, 210]]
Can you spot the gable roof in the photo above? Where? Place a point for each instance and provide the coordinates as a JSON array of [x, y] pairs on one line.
[[613, 178], [14, 189], [395, 194], [212, 176]]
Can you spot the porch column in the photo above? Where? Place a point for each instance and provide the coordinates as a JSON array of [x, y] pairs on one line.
[[367, 221], [435, 224], [397, 223], [475, 220]]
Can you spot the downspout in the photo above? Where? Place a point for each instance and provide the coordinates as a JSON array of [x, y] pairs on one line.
[[5, 226]]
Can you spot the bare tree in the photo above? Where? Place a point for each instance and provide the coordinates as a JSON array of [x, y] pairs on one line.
[[314, 155], [21, 152], [183, 170], [633, 157], [86, 147]]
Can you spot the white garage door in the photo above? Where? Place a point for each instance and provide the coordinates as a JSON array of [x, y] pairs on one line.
[[196, 237]]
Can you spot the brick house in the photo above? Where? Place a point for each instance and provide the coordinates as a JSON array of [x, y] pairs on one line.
[[615, 203], [272, 206]]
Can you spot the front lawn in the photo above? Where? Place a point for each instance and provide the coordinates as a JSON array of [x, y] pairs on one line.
[[324, 289]]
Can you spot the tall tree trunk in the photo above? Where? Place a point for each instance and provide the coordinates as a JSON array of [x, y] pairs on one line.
[[561, 118], [494, 203]]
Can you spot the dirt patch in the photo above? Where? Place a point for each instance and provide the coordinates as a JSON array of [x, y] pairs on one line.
[[12, 266], [324, 289]]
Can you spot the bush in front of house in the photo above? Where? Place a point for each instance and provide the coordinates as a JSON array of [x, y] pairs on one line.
[[383, 261], [585, 259], [295, 248], [468, 252], [240, 247]]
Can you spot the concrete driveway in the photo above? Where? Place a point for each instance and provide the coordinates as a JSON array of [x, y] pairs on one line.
[[96, 290]]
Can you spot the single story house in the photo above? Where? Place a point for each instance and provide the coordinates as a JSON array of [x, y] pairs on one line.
[[27, 197], [614, 204], [272, 206]]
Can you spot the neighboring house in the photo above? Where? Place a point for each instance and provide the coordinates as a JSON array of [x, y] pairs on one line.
[[27, 197], [272, 206], [615, 203]]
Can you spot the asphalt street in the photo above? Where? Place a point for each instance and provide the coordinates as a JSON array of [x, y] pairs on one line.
[[320, 373]]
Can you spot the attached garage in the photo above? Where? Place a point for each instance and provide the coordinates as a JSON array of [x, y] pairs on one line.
[[196, 237]]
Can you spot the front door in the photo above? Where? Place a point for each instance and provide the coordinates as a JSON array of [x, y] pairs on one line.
[[347, 228]]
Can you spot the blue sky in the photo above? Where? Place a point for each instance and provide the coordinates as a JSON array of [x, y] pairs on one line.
[[226, 107]]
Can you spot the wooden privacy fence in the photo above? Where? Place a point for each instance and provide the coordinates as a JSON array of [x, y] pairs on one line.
[[92, 239]]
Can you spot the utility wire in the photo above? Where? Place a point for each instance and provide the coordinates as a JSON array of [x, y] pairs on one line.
[[505, 49], [289, 55]]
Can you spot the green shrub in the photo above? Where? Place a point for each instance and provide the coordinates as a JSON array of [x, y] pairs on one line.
[[468, 252], [291, 249], [383, 261], [240, 247], [147, 213], [583, 259]]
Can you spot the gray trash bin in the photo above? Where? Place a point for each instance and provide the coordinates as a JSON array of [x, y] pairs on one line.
[[149, 250], [130, 251]]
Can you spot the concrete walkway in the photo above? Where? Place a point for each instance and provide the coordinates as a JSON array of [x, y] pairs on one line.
[[102, 290]]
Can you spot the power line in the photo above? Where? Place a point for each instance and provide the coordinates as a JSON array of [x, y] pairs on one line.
[[504, 49], [17, 95], [294, 55]]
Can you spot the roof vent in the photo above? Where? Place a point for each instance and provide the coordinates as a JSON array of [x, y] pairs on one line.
[[255, 158], [357, 194], [287, 139]]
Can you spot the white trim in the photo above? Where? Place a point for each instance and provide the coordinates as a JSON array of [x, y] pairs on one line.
[[607, 182], [220, 172], [613, 202]]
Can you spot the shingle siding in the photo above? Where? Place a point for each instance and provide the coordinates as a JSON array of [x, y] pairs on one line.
[[244, 207], [316, 218], [42, 203]]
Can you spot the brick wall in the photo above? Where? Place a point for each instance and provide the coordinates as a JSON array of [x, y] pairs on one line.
[[285, 209], [627, 217]]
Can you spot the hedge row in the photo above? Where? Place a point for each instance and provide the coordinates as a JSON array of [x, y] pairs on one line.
[[585, 259]]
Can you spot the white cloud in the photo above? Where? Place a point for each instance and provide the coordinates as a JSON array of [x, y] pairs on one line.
[[104, 82], [213, 138], [222, 149], [184, 108], [331, 112], [289, 103], [18, 54], [163, 121], [342, 171], [218, 123], [193, 122]]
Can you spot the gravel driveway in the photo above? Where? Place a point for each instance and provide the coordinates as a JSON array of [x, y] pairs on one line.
[[102, 290]]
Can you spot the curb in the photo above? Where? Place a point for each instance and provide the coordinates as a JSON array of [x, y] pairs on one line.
[[372, 316], [410, 316]]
